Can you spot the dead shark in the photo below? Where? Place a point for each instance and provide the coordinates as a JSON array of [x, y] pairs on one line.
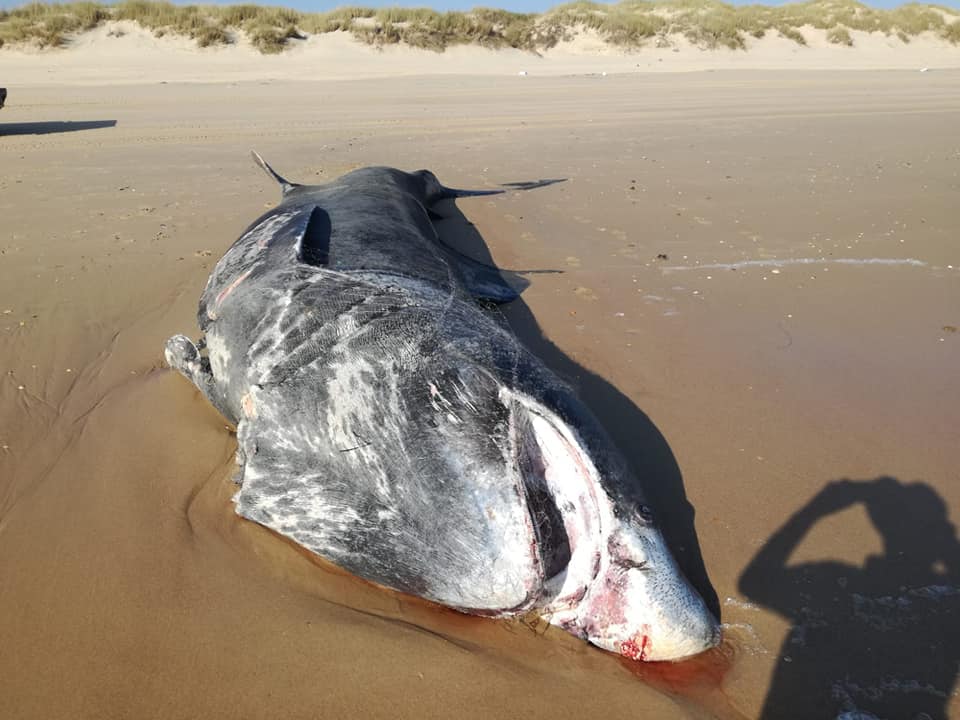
[[392, 424]]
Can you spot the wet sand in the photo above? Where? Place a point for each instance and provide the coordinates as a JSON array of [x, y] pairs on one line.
[[759, 295]]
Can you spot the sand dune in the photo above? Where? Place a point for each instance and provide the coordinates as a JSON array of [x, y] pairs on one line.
[[124, 53]]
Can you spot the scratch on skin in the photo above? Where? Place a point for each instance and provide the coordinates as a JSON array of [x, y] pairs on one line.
[[246, 402], [363, 443], [212, 314]]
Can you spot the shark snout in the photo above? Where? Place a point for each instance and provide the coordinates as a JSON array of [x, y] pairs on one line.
[[641, 606], [645, 617]]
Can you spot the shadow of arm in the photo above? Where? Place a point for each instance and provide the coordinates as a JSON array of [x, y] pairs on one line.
[[764, 580]]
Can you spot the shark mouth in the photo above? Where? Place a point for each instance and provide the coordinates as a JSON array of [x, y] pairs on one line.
[[606, 576], [562, 499]]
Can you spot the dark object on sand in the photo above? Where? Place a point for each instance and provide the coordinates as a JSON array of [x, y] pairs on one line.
[[389, 422]]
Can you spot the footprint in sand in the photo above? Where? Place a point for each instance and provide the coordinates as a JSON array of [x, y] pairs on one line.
[[573, 261], [585, 293]]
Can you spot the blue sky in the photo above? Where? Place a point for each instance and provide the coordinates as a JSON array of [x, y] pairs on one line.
[[530, 5], [515, 5]]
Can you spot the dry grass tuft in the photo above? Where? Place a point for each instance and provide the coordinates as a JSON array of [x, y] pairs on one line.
[[839, 36], [792, 34], [951, 32]]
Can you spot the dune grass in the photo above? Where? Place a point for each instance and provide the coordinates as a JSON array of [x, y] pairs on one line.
[[839, 35], [629, 23], [48, 25]]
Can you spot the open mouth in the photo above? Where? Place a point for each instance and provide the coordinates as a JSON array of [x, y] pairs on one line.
[[562, 493], [599, 580]]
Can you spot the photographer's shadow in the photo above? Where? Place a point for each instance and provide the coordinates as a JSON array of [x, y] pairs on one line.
[[634, 434], [881, 640]]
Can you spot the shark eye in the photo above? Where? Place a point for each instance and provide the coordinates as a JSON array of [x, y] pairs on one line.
[[645, 513]]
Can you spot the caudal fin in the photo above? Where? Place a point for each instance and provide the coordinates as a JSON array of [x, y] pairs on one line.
[[285, 185], [452, 193]]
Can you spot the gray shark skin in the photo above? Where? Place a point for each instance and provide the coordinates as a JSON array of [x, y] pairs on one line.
[[389, 422]]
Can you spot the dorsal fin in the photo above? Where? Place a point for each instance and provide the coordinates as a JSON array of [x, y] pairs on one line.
[[285, 185], [314, 246]]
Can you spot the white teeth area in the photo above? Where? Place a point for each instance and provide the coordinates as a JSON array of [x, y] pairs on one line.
[[571, 479], [621, 589]]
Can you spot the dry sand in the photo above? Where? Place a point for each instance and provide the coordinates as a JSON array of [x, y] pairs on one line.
[[742, 373]]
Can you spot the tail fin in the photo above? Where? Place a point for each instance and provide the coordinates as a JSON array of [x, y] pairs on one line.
[[285, 185], [451, 193]]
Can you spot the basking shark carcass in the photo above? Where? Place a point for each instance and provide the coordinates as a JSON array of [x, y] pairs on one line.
[[390, 422]]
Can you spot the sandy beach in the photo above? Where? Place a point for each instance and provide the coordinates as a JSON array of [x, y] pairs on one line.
[[751, 274]]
